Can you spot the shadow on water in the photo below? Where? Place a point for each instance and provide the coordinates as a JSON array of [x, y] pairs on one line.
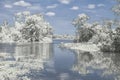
[[58, 64]]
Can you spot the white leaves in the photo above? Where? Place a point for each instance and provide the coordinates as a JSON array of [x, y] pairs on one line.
[[27, 28], [33, 28], [83, 16], [116, 9], [26, 13], [80, 20]]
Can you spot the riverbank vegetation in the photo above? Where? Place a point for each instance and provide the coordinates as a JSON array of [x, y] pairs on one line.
[[105, 35], [27, 28]]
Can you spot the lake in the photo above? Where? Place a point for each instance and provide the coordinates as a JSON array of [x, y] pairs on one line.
[[43, 61]]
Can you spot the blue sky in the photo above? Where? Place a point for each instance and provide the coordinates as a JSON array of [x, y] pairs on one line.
[[59, 13]]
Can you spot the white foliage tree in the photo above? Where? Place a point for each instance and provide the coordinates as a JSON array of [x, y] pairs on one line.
[[80, 20], [5, 34], [35, 28], [83, 29], [116, 8], [28, 28]]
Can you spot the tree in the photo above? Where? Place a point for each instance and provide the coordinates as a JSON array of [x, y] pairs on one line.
[[116, 8], [5, 33], [28, 28], [83, 30], [116, 42], [33, 27], [85, 34]]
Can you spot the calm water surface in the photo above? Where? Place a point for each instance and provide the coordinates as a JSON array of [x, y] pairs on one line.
[[62, 64]]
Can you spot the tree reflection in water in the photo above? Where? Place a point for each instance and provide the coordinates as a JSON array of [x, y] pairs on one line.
[[90, 62], [29, 60], [38, 61], [40, 51]]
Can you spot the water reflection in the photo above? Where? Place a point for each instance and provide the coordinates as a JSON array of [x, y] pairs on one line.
[[26, 61], [97, 63], [42, 61], [41, 51], [7, 48], [83, 59]]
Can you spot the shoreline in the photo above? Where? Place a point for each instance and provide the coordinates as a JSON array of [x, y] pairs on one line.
[[81, 46]]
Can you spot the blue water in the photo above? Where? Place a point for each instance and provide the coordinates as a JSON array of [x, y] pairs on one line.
[[63, 64]]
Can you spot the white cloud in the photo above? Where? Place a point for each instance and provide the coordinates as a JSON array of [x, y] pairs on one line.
[[22, 3], [90, 11], [50, 14], [52, 6], [91, 6], [65, 1], [34, 8], [8, 6], [100, 5], [75, 8]]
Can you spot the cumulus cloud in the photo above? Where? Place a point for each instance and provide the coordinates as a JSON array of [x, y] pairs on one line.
[[74, 8], [52, 6], [22, 3], [34, 8], [65, 1], [50, 14], [91, 6], [8, 6], [100, 5]]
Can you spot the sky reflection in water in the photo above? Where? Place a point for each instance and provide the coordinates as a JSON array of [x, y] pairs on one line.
[[49, 62]]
